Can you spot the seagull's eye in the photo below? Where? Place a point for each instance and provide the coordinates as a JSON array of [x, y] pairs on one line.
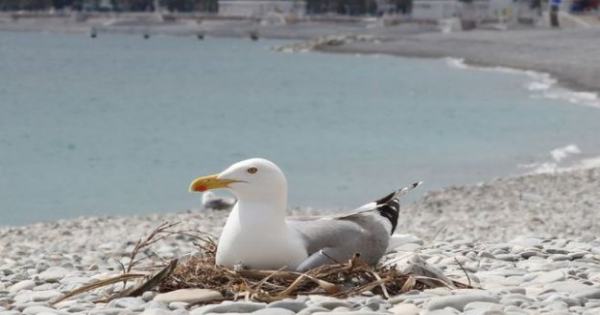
[[252, 170]]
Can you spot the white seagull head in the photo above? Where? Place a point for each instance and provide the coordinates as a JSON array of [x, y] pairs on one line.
[[254, 179]]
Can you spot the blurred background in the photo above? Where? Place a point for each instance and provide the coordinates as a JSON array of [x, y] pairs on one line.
[[113, 106]]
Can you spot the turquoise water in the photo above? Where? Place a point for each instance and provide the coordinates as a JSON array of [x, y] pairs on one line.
[[121, 125]]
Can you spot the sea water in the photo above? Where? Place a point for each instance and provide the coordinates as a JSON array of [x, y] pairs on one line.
[[121, 125]]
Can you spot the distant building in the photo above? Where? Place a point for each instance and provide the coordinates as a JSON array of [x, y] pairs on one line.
[[502, 11], [249, 8]]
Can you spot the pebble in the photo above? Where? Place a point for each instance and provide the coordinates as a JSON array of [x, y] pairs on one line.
[[459, 301], [191, 296], [274, 311], [405, 309], [32, 310], [289, 304], [156, 311], [229, 307], [22, 285], [53, 274]]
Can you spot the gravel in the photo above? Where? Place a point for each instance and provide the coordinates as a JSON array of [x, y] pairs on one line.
[[522, 255]]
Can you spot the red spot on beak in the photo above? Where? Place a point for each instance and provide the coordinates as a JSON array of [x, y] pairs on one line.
[[202, 188]]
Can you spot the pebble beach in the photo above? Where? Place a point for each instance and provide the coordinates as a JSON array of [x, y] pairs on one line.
[[527, 245]]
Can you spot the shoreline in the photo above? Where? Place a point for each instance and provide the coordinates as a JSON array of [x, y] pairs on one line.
[[528, 50], [562, 53]]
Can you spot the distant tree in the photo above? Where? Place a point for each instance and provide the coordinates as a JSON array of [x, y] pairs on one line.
[[211, 6], [134, 5], [347, 7], [35, 4]]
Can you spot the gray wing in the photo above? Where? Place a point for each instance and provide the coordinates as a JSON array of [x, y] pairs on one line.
[[337, 238]]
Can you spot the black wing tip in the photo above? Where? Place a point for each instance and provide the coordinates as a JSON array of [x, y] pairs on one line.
[[389, 206]]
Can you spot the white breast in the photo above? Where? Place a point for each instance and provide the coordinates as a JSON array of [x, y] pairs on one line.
[[259, 246]]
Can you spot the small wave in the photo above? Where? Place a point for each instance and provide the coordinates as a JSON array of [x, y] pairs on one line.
[[558, 165], [542, 84], [560, 154]]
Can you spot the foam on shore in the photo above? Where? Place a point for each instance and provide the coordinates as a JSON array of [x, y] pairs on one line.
[[562, 160], [541, 84]]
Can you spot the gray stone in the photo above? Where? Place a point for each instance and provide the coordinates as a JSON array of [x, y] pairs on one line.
[[53, 274], [593, 311], [35, 296], [148, 295], [274, 311], [178, 305], [312, 309], [401, 239], [292, 305], [552, 276], [459, 301], [156, 311], [333, 304], [229, 307], [404, 309], [589, 294], [130, 303], [22, 285], [32, 310], [191, 296], [485, 306], [445, 311]]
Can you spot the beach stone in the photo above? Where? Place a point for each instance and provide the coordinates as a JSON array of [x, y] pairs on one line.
[[148, 296], [330, 305], [22, 285], [404, 309], [589, 294], [402, 239], [483, 306], [53, 274], [42, 296], [105, 311], [570, 286], [552, 276], [484, 312], [130, 303], [459, 301], [593, 311], [312, 309], [231, 307], [178, 305], [156, 311], [292, 305], [418, 266], [351, 313], [191, 296], [155, 304], [274, 311], [445, 311], [32, 310]]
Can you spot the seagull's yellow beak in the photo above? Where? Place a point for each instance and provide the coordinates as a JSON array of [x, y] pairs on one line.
[[205, 183]]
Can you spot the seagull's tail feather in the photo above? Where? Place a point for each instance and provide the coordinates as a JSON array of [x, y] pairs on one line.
[[389, 206]]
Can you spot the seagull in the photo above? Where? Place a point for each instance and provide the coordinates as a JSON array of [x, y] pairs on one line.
[[257, 234], [211, 201]]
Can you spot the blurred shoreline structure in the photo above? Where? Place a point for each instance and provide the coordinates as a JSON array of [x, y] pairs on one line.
[[447, 15]]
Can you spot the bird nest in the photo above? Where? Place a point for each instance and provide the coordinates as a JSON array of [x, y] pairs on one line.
[[341, 280]]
